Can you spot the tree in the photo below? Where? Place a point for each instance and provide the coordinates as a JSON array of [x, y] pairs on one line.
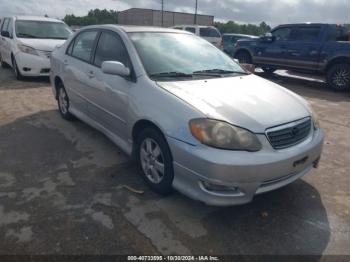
[[248, 29], [94, 17]]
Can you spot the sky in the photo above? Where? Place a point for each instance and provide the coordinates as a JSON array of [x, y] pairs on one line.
[[273, 12]]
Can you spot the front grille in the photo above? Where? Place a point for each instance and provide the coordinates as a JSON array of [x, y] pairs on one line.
[[290, 134]]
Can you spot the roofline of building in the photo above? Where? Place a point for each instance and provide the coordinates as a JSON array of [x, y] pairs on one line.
[[137, 8]]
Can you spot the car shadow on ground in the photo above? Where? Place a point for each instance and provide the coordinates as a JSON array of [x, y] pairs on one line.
[[9, 81], [55, 172]]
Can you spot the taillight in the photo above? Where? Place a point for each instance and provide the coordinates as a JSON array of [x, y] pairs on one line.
[[222, 44]]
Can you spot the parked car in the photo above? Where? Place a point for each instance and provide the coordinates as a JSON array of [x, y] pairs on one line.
[[190, 115], [320, 48], [229, 41], [209, 33], [26, 43]]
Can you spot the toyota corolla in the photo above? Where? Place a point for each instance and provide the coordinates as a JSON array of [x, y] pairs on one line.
[[193, 118]]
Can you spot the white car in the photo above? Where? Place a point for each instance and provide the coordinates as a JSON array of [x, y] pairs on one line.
[[209, 33], [26, 43]]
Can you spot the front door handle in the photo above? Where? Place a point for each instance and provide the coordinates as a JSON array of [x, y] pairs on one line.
[[91, 74], [293, 53]]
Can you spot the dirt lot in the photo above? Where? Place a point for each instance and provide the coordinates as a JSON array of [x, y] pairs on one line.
[[61, 190]]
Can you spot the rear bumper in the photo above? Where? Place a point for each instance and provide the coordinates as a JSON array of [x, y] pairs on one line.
[[32, 65], [245, 173]]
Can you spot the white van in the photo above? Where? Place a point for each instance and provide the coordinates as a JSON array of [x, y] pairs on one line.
[[26, 43], [209, 33]]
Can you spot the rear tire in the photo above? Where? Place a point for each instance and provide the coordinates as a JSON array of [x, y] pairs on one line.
[[16, 71], [244, 57], [338, 77], [268, 70], [63, 102], [154, 158]]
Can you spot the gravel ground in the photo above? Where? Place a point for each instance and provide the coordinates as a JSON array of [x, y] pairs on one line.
[[61, 189]]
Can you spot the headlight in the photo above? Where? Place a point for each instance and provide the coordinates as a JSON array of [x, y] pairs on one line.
[[27, 49], [222, 135], [315, 118]]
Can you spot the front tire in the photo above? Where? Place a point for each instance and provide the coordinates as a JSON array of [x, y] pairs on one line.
[[268, 70], [63, 103], [16, 71], [338, 77], [3, 64], [155, 161], [244, 57]]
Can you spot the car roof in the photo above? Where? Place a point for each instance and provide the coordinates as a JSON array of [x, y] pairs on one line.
[[232, 34], [134, 29], [199, 26], [37, 18]]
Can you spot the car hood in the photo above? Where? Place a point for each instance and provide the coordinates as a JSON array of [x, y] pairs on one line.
[[42, 44], [247, 101]]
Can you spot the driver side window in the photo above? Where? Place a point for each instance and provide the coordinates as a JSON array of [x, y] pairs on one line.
[[281, 34]]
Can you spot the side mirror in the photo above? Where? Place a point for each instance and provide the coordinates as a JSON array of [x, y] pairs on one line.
[[5, 34], [115, 68], [268, 37]]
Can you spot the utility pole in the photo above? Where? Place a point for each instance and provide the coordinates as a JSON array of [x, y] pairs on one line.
[[162, 13], [195, 13]]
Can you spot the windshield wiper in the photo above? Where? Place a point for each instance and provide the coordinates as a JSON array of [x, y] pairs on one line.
[[171, 74], [216, 71]]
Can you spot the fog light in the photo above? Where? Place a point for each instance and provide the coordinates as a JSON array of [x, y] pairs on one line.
[[220, 188]]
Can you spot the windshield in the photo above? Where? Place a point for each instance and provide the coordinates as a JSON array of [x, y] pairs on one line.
[[42, 29], [181, 53]]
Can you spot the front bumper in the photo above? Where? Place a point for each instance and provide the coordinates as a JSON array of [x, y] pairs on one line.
[[32, 65], [247, 173]]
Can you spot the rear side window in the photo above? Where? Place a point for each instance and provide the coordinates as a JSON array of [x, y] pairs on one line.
[[178, 28], [10, 27], [337, 33], [191, 29], [209, 32], [306, 34], [83, 45], [111, 48]]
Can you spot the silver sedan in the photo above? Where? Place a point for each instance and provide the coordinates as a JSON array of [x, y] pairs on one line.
[[192, 117]]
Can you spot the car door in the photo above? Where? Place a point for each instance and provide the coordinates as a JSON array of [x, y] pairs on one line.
[[109, 93], [4, 42], [273, 52], [304, 47], [77, 69]]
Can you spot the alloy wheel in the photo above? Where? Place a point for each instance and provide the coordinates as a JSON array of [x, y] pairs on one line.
[[63, 101], [152, 160], [341, 78]]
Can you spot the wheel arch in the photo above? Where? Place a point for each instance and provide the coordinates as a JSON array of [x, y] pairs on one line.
[[242, 50], [57, 81], [141, 125], [337, 60]]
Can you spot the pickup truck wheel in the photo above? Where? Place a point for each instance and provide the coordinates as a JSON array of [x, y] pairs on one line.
[[268, 70], [338, 77], [244, 57]]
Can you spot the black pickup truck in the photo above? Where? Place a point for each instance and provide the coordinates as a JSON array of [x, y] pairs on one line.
[[311, 47]]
